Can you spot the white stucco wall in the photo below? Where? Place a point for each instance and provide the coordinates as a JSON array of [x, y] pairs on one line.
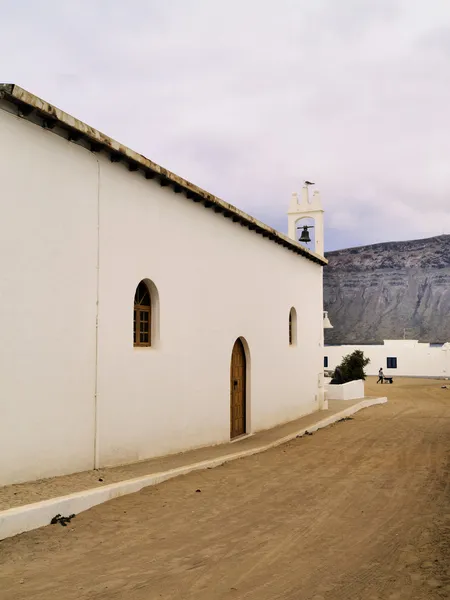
[[48, 241], [216, 281], [413, 358], [351, 390]]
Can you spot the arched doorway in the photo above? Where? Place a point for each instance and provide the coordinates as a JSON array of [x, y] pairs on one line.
[[238, 389]]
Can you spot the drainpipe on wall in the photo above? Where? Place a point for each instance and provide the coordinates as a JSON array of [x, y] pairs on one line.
[[96, 461]]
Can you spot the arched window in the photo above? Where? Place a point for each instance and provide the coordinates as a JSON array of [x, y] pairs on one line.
[[142, 322], [292, 327]]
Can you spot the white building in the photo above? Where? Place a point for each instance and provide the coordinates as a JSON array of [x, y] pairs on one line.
[[93, 238], [406, 358]]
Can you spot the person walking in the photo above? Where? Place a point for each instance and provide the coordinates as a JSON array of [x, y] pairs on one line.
[[380, 376]]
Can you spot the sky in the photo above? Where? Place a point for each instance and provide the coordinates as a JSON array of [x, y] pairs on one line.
[[248, 98]]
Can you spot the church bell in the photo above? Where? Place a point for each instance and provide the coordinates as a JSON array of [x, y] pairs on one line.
[[305, 237]]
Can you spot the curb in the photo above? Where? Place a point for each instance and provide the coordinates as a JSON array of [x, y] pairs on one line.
[[32, 516]]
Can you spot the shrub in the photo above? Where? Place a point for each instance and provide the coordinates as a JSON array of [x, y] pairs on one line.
[[352, 366]]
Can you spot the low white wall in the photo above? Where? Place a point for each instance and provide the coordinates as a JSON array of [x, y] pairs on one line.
[[346, 391], [414, 359]]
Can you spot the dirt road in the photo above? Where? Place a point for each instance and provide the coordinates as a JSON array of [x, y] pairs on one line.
[[357, 511]]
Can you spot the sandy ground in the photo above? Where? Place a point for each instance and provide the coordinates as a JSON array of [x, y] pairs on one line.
[[34, 491], [360, 510]]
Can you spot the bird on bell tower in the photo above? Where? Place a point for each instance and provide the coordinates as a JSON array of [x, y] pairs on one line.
[[306, 208]]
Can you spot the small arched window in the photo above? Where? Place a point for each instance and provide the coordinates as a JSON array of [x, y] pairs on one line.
[[142, 322], [292, 327]]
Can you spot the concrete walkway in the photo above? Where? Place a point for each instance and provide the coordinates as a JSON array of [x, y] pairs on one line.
[[27, 506]]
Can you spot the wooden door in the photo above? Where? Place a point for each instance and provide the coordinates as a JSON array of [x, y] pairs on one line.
[[237, 390]]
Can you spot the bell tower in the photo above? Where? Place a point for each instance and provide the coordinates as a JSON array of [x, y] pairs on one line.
[[307, 208]]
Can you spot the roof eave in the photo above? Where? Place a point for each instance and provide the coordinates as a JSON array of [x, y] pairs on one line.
[[28, 102]]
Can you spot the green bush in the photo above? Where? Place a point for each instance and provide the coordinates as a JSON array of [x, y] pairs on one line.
[[352, 366]]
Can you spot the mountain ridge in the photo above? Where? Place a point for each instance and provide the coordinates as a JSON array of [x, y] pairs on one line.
[[389, 290]]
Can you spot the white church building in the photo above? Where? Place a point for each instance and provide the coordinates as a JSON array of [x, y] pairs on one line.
[[140, 315]]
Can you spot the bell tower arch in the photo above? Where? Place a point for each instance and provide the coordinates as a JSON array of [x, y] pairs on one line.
[[307, 208]]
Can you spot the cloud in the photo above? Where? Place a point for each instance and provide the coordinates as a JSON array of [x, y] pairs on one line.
[[247, 99]]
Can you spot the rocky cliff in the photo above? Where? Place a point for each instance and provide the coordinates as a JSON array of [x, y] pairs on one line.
[[388, 291]]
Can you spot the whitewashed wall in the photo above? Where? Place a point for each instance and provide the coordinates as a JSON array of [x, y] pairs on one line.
[[413, 358], [48, 248], [216, 282]]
